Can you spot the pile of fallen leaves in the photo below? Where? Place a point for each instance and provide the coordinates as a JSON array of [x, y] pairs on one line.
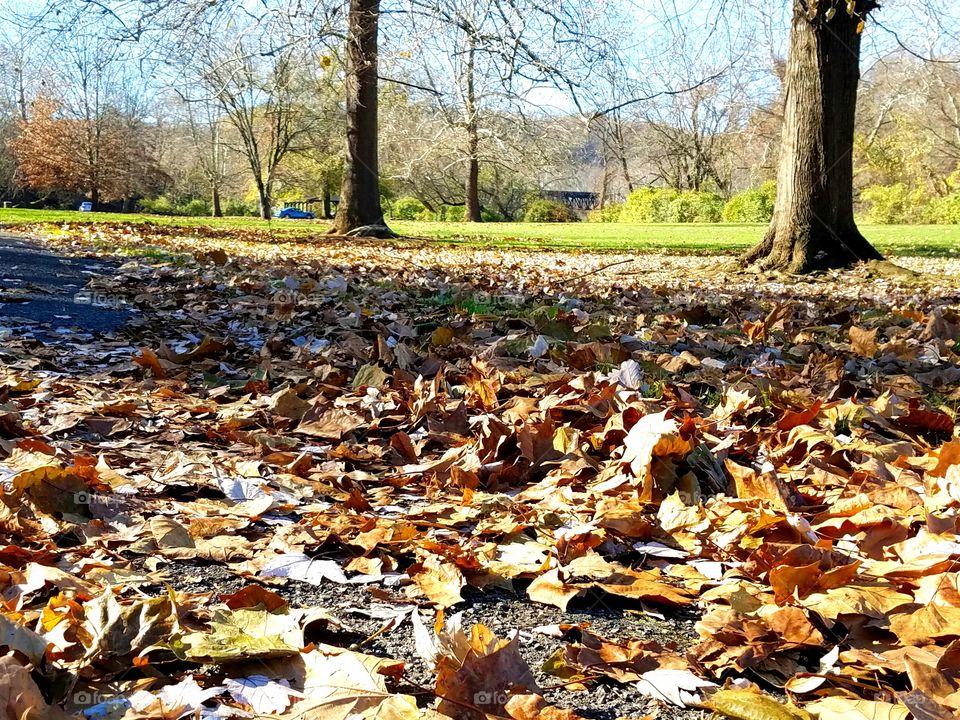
[[426, 425]]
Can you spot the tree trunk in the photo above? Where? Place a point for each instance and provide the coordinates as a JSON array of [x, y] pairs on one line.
[[603, 183], [625, 169], [21, 92], [813, 225], [622, 151], [327, 212], [263, 201], [472, 213], [359, 211], [472, 188], [215, 207], [95, 199]]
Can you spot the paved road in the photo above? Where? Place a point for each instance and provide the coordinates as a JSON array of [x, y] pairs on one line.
[[42, 287]]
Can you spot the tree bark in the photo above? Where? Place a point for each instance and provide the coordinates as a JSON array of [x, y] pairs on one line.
[[216, 208], [813, 225], [622, 151], [266, 211], [603, 183], [359, 211], [472, 188], [327, 213]]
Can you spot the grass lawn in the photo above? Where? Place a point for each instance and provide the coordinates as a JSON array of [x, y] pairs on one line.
[[906, 240]]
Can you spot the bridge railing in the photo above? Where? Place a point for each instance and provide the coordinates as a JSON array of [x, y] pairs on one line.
[[574, 199]]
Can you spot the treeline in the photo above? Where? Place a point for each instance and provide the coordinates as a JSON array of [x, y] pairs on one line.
[[236, 132]]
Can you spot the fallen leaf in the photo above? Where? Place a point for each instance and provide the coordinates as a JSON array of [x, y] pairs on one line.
[[261, 693], [841, 708]]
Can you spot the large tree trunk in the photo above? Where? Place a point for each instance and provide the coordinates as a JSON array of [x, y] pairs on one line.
[[359, 211], [813, 226], [215, 206]]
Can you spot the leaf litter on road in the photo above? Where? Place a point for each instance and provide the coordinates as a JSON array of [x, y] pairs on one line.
[[311, 479]]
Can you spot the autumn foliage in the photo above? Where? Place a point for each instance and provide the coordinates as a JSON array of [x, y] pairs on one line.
[[104, 157]]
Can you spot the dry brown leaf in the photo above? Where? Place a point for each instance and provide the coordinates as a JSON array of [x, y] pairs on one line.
[[876, 601], [652, 436], [923, 625], [534, 707], [440, 581], [863, 341], [339, 684], [841, 708], [751, 485], [484, 679], [20, 698], [330, 423]]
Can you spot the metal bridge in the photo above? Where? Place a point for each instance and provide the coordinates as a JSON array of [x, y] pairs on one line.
[[574, 199]]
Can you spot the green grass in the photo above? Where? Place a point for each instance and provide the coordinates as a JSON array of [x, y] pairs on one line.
[[904, 240]]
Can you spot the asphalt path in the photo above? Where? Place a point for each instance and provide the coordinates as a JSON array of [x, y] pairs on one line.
[[41, 287]]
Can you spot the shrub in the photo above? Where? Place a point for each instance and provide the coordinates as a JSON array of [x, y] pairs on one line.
[[648, 205], [544, 211], [752, 206], [894, 204], [490, 215], [406, 208], [197, 208], [163, 206], [945, 210], [453, 213], [234, 208], [159, 206], [607, 214], [695, 207]]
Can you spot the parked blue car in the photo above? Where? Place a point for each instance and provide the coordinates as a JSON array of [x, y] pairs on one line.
[[292, 213], [86, 206]]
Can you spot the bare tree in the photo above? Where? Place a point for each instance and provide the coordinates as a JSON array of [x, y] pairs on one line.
[[205, 123], [259, 95], [693, 137]]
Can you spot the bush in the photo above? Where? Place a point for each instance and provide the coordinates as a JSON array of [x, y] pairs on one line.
[[407, 208], [895, 204], [752, 206], [163, 206], [608, 214], [945, 210], [196, 208], [490, 215], [453, 213], [545, 211], [159, 206], [695, 207], [648, 205], [234, 208]]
